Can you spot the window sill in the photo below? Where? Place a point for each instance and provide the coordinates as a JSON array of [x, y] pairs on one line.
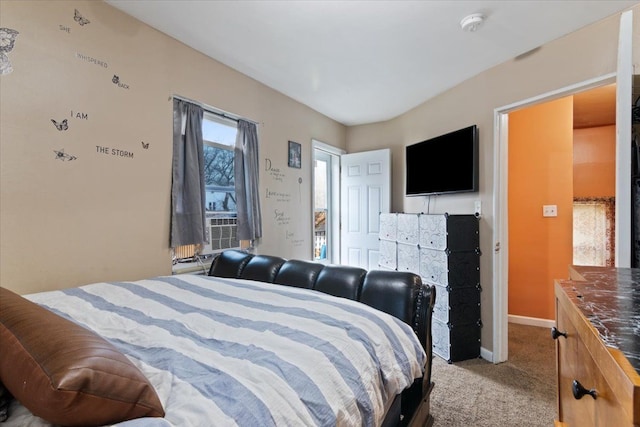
[[195, 267]]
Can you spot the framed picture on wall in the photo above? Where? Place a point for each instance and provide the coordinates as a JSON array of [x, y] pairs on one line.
[[295, 155]]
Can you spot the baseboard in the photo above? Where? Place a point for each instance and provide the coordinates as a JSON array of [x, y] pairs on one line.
[[486, 354], [531, 321]]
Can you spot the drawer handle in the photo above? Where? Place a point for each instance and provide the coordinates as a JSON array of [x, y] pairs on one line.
[[555, 333], [579, 391]]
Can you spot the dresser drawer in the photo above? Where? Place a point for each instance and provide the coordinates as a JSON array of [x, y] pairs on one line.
[[583, 357]]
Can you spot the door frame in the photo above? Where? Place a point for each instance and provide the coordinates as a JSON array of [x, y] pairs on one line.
[[500, 205], [335, 154]]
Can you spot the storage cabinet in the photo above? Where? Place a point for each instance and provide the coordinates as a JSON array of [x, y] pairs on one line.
[[444, 251], [583, 356]]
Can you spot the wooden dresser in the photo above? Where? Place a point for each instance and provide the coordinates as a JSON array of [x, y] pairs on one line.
[[598, 347]]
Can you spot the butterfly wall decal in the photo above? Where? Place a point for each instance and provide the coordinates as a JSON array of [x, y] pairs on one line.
[[115, 79], [145, 146], [62, 125], [7, 41], [79, 18]]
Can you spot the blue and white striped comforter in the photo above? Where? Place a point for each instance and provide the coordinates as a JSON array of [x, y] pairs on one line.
[[226, 352]]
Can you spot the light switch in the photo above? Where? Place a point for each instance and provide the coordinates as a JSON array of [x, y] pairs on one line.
[[549, 210]]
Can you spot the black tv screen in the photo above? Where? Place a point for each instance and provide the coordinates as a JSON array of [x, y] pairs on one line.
[[444, 164]]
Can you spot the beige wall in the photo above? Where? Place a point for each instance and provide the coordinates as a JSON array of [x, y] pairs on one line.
[[104, 216], [577, 57]]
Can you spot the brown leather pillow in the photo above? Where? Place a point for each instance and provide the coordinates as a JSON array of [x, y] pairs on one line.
[[65, 373]]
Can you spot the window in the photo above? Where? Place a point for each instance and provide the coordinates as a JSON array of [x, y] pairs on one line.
[[219, 138], [594, 231]]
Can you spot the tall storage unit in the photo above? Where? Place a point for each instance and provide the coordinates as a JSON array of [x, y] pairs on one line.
[[447, 248]]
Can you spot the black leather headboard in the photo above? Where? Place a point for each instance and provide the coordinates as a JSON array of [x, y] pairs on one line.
[[401, 294]]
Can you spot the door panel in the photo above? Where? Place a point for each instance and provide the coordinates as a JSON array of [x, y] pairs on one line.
[[366, 192]]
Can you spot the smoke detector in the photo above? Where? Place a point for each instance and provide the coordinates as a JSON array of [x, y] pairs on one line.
[[472, 22]]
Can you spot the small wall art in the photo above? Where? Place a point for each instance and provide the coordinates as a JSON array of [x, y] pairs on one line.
[[295, 155]]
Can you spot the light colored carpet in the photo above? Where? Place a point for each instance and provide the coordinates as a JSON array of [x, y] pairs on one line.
[[519, 392]]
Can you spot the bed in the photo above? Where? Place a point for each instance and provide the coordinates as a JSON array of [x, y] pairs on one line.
[[259, 341]]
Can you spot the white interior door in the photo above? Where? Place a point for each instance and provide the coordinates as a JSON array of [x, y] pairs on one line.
[[365, 193]]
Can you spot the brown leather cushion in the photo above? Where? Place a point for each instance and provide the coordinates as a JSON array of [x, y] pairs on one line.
[[65, 373]]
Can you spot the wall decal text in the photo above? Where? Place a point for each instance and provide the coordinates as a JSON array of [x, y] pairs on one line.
[[91, 60], [275, 173], [116, 80], [65, 28], [278, 195], [281, 217], [79, 115], [114, 152]]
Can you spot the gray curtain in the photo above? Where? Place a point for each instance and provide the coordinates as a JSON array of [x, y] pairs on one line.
[[246, 182], [187, 187]]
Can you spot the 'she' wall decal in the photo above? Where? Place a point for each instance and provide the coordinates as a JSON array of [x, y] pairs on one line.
[[7, 41]]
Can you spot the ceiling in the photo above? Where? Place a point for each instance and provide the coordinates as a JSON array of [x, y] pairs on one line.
[[365, 61], [595, 107]]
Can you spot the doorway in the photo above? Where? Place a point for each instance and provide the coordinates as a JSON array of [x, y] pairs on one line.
[[326, 203], [561, 196]]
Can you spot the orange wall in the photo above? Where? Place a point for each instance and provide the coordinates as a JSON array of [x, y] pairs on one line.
[[540, 173], [594, 162]]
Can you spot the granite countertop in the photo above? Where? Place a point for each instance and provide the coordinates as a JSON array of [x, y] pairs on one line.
[[610, 298]]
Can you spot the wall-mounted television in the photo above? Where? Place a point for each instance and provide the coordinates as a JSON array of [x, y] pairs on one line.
[[445, 164]]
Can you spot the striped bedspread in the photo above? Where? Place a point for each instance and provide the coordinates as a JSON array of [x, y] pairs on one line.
[[227, 352]]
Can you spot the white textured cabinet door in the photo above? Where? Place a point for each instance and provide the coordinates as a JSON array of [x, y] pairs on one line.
[[441, 337], [434, 266], [433, 231], [408, 258], [388, 226], [441, 307], [408, 229], [388, 253]]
